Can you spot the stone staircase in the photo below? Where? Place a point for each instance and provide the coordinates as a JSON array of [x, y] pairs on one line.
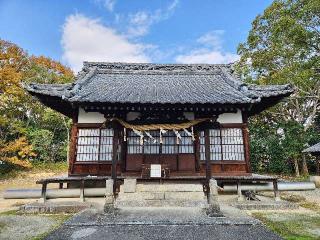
[[150, 194]]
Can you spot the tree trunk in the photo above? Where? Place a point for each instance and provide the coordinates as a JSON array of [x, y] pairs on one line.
[[318, 165], [305, 170], [296, 167]]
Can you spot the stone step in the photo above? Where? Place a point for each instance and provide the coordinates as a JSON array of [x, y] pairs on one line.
[[185, 187], [138, 196], [162, 203], [150, 194]]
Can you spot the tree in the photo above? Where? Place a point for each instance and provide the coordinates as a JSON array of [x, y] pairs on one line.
[[22, 119], [283, 46]]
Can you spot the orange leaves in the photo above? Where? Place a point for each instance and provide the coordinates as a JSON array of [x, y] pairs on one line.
[[19, 113], [52, 65], [17, 152]]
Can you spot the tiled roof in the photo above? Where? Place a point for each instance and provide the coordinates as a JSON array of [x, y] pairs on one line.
[[313, 149], [159, 83]]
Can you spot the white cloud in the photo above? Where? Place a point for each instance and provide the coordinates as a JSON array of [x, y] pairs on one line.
[[206, 56], [86, 39], [212, 39], [108, 4], [140, 22], [209, 51]]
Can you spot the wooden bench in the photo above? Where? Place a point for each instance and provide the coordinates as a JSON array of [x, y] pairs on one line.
[[254, 178], [62, 180]]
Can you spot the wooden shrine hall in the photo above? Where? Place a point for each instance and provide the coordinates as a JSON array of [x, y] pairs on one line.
[[159, 120]]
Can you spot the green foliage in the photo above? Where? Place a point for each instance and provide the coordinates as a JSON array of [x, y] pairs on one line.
[[274, 145], [283, 47], [28, 130]]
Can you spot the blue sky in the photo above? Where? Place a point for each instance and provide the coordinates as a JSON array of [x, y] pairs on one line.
[[168, 31]]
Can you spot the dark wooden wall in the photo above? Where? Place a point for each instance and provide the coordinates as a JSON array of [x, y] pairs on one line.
[[188, 164]]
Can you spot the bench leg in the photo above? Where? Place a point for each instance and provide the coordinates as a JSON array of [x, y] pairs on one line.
[[44, 192], [82, 191], [240, 197], [276, 191]]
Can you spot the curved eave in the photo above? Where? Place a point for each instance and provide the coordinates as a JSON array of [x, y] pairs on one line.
[[267, 102], [56, 103], [314, 150]]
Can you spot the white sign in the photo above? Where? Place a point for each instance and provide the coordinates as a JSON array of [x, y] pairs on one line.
[[155, 170]]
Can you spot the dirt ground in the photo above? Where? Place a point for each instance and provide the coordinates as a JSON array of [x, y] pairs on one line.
[[302, 223], [21, 227], [23, 180]]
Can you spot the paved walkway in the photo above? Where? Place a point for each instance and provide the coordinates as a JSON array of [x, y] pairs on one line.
[[164, 223]]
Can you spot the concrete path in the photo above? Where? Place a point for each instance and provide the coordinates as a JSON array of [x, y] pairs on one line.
[[162, 223]]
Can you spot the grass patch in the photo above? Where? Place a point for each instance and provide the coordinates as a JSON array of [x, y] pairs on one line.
[[10, 212], [59, 218], [310, 205], [50, 166], [13, 172], [2, 226], [301, 201], [291, 226]]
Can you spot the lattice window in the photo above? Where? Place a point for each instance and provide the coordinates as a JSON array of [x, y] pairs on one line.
[[152, 146], [186, 143], [169, 141], [225, 144], [94, 145], [133, 143], [202, 146], [232, 144]]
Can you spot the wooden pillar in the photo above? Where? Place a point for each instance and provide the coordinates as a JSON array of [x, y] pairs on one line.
[[246, 144], [276, 190], [44, 192], [114, 158], [72, 147], [208, 161], [197, 150], [82, 191], [240, 197], [123, 153]]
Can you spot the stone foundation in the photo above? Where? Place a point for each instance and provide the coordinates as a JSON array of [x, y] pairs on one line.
[[160, 195]]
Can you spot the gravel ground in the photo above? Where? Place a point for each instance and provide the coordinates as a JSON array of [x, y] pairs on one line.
[[25, 227], [164, 223], [177, 232]]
